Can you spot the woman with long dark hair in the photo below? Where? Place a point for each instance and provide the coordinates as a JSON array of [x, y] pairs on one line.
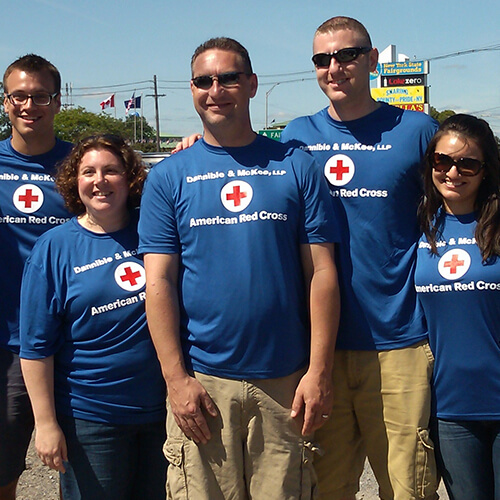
[[458, 284]]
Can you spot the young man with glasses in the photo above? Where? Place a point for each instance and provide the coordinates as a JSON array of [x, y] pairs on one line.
[[238, 235], [29, 206], [370, 156]]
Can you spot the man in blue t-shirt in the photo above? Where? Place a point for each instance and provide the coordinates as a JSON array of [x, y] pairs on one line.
[[370, 154], [29, 205], [242, 298]]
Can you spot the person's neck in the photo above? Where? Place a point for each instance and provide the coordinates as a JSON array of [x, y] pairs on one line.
[[103, 225], [354, 111], [229, 137], [33, 146]]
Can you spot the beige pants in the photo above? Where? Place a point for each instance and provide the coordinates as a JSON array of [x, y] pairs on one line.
[[381, 411], [256, 450]]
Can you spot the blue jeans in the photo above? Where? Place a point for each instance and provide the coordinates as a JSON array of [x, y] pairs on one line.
[[468, 457], [113, 462]]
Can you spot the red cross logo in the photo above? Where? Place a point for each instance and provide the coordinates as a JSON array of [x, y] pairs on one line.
[[236, 196], [339, 170], [454, 263], [28, 198], [130, 276]]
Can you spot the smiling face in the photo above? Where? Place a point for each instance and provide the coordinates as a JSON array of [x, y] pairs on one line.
[[31, 125], [103, 187], [224, 110], [347, 85], [459, 192]]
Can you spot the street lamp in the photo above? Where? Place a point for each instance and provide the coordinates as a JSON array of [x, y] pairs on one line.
[[267, 96]]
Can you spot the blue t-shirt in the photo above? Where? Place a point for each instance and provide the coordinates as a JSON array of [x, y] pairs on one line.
[[372, 166], [82, 301], [29, 206], [237, 218], [461, 299]]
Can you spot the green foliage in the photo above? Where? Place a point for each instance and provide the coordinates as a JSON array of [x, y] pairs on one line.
[[148, 132], [441, 116], [5, 129], [76, 123]]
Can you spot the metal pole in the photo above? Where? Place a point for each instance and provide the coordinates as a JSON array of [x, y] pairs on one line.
[[267, 96], [157, 116]]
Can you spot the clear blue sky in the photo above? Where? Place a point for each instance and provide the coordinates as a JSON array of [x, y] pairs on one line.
[[111, 43]]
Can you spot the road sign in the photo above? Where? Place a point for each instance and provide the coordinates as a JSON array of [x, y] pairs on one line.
[[271, 133]]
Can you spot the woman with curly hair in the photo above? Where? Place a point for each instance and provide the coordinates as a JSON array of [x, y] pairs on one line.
[[89, 364], [458, 284]]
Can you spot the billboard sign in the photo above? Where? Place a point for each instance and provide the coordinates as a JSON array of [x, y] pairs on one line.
[[405, 68], [400, 95], [403, 80]]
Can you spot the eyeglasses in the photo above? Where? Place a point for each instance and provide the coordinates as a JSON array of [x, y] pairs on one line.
[[465, 166], [41, 99], [224, 79], [346, 55]]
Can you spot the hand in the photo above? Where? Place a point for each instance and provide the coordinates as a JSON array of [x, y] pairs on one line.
[[187, 398], [186, 142], [314, 395], [50, 445]]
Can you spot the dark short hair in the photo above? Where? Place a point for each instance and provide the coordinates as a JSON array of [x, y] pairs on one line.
[[31, 63], [340, 23], [227, 44], [67, 172]]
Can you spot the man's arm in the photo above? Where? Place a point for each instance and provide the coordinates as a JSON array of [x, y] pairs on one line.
[[314, 393], [50, 442], [186, 395]]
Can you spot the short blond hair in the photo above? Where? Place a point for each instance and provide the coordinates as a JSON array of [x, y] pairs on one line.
[[340, 23]]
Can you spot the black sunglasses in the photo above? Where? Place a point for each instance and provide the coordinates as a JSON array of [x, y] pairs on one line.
[[224, 79], [346, 55], [465, 166]]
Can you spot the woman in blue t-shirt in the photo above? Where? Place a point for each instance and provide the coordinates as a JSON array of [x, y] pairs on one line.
[[458, 284], [89, 364]]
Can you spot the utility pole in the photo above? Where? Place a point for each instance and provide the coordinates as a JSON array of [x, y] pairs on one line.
[[157, 113]]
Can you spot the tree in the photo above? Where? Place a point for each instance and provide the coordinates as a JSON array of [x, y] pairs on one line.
[[441, 116], [76, 123], [132, 131], [5, 129]]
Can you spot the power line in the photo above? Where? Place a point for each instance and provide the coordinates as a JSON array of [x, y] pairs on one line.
[[463, 52]]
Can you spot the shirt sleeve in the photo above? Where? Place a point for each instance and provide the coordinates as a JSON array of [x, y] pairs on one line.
[[157, 224], [320, 212], [41, 314]]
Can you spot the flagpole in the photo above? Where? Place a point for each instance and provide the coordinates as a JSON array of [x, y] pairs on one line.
[[135, 120], [142, 121]]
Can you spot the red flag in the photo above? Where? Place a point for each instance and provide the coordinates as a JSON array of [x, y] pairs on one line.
[[109, 102]]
